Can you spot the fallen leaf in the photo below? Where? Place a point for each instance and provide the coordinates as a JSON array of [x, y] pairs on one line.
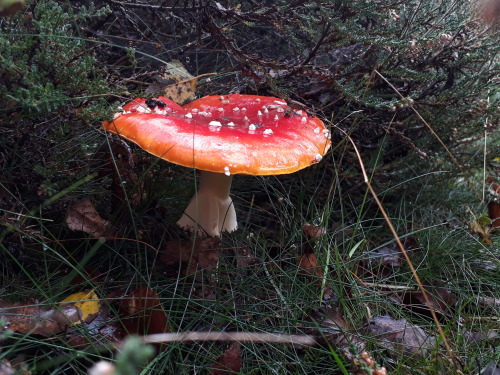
[[493, 368], [480, 338], [244, 258], [87, 302], [385, 256], [32, 318], [309, 267], [400, 336], [482, 227], [203, 253], [314, 231], [441, 301], [82, 216], [142, 312], [176, 83], [228, 363], [489, 12], [382, 262]]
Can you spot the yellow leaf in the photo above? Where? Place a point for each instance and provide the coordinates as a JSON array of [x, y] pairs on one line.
[[88, 303], [176, 83], [176, 71], [182, 92]]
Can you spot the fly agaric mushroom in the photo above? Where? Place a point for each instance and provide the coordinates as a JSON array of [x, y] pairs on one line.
[[222, 136]]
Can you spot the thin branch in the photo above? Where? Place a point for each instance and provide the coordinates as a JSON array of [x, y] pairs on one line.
[[313, 52], [230, 336], [154, 7]]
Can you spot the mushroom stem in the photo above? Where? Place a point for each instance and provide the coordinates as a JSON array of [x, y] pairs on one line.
[[211, 210]]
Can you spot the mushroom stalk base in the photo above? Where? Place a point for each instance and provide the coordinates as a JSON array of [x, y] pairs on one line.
[[211, 210]]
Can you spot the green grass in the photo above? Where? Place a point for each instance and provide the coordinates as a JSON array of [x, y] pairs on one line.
[[271, 295]]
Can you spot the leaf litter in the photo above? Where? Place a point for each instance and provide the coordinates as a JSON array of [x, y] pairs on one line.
[[176, 83], [82, 216], [229, 362], [84, 319], [400, 336], [35, 318]]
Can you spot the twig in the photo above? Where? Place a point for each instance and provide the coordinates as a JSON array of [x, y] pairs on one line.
[[387, 286], [485, 149], [488, 301], [230, 336], [313, 52], [154, 7]]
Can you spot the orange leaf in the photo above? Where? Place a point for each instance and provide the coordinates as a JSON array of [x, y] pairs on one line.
[[143, 312]]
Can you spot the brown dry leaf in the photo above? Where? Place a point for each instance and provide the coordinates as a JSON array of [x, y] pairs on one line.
[[181, 92], [480, 338], [202, 253], [331, 318], [228, 363], [382, 262], [82, 216], [309, 267], [119, 163], [142, 312], [176, 83], [482, 231], [385, 256], [489, 12], [308, 264], [244, 258], [31, 318], [441, 301], [494, 213], [400, 336], [314, 231]]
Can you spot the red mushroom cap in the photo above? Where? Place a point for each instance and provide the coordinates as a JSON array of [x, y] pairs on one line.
[[229, 134]]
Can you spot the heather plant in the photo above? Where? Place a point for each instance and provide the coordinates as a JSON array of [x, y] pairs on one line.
[[45, 63], [51, 89]]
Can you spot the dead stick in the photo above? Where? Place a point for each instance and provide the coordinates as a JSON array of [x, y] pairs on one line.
[[230, 336]]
